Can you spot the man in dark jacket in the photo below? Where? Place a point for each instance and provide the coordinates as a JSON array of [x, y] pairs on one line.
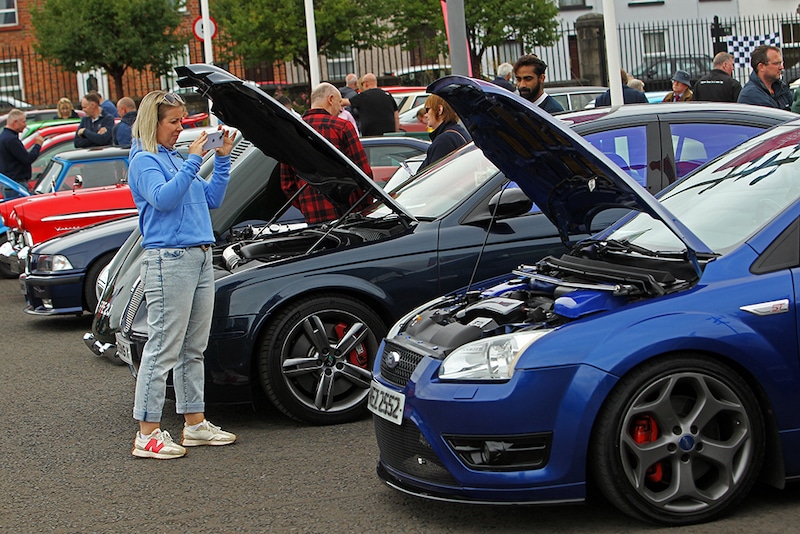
[[765, 87], [629, 94], [503, 78], [15, 161], [529, 71], [718, 85], [95, 128], [121, 134]]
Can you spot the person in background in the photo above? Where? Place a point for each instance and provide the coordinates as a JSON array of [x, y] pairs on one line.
[[636, 83], [681, 91], [503, 78], [15, 161], [529, 71], [718, 85], [629, 94], [95, 128], [422, 115], [177, 272], [326, 104], [765, 87], [351, 86], [287, 103], [447, 135], [121, 133], [374, 108], [64, 110], [108, 106]]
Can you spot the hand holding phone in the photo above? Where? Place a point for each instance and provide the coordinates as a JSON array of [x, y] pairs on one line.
[[214, 140]]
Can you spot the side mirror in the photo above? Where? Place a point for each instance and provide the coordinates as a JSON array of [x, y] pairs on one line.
[[511, 202], [503, 205], [77, 183]]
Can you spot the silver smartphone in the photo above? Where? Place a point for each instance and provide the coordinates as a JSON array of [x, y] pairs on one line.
[[214, 140]]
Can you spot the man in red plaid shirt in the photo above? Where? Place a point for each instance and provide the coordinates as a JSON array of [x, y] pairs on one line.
[[326, 104]]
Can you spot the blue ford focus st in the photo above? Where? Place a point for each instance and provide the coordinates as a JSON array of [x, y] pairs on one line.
[[657, 360]]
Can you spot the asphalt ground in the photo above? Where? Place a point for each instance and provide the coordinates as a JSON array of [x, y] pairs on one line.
[[65, 464]]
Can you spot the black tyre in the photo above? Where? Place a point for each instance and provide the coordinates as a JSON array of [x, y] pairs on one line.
[[316, 358], [90, 281], [5, 271], [680, 440]]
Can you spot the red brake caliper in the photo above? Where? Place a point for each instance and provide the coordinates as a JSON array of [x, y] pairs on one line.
[[357, 356], [645, 430]]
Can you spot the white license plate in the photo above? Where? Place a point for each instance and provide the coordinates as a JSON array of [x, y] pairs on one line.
[[123, 349], [386, 403]]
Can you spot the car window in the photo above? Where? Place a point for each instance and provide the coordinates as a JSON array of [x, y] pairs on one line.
[[581, 100], [47, 182], [563, 100], [418, 101], [439, 188], [725, 202], [627, 147], [96, 173], [696, 143], [389, 155]]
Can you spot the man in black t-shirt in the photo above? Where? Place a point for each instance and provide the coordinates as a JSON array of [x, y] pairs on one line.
[[377, 110]]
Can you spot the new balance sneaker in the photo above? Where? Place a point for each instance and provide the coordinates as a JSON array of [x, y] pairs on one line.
[[159, 445], [206, 434]]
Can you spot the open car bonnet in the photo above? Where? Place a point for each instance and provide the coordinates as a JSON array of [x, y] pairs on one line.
[[567, 178], [279, 133]]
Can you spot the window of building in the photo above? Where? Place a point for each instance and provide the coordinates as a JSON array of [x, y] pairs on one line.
[[8, 13], [571, 4], [11, 78], [339, 66], [655, 43]]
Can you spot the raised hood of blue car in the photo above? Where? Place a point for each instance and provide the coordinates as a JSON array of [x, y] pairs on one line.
[[278, 132], [567, 178]]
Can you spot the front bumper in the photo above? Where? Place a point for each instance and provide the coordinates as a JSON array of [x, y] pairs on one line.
[[53, 294], [425, 455], [11, 257]]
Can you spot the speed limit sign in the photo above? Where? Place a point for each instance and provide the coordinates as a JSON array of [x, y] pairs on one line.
[[197, 27]]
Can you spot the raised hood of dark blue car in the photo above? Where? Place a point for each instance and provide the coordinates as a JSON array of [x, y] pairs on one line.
[[568, 179], [279, 133]]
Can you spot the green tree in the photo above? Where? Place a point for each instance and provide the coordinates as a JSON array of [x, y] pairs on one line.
[[275, 30], [419, 24], [111, 34]]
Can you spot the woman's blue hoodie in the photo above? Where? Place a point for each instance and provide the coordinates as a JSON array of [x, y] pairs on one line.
[[172, 199]]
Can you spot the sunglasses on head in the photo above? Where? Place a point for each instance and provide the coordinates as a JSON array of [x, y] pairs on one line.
[[171, 99]]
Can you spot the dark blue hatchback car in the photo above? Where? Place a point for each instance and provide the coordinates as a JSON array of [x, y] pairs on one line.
[[657, 360]]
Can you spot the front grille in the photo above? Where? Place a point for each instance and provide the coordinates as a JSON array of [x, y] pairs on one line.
[[137, 294], [405, 449], [401, 373]]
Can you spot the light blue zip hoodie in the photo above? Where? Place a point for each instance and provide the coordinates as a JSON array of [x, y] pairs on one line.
[[173, 201]]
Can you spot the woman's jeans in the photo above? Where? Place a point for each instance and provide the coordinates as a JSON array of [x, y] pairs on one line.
[[179, 294]]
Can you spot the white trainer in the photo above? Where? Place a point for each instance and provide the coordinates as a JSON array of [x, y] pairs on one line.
[[206, 434], [158, 445]]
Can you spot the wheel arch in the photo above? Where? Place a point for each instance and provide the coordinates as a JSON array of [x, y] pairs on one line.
[[112, 251], [372, 299], [773, 469]]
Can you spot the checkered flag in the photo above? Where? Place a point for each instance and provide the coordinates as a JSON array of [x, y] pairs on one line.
[[741, 47]]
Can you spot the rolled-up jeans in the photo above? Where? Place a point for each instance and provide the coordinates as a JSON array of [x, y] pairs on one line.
[[179, 294]]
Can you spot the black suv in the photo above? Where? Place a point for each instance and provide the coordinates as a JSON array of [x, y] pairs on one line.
[[656, 73]]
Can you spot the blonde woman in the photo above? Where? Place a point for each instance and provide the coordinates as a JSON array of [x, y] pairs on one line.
[[65, 110], [177, 272]]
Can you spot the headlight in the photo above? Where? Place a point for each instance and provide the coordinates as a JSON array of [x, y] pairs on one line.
[[493, 358], [52, 263]]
